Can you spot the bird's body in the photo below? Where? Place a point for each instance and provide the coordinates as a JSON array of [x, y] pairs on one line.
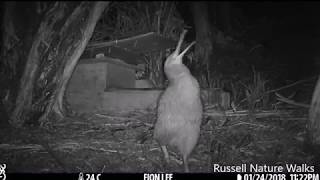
[[179, 110]]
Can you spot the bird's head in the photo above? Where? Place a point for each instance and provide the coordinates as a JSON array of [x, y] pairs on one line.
[[175, 57]]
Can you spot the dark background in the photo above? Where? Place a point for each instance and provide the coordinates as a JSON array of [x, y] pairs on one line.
[[288, 30]]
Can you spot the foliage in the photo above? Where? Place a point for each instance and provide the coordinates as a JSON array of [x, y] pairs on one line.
[[125, 19], [256, 91]]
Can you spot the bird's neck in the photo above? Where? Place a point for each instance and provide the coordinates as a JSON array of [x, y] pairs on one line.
[[176, 71]]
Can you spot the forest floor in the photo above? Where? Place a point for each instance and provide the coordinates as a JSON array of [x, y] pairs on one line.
[[122, 142]]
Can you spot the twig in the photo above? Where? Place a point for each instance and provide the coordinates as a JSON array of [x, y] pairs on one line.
[[117, 117], [245, 113], [246, 123], [112, 43], [100, 149], [281, 88], [124, 119], [102, 171], [289, 101], [32, 147], [289, 85]]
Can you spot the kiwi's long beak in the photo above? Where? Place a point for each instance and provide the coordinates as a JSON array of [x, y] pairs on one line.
[[178, 57], [177, 51], [190, 45]]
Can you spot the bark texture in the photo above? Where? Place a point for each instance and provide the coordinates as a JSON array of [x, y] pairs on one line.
[[61, 38]]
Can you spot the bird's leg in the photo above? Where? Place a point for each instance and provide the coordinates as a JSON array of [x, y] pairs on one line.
[[165, 153], [185, 163]]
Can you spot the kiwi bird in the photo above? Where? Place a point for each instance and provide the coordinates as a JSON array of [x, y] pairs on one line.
[[179, 111]]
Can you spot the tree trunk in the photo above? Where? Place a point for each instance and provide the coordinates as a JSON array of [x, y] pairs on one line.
[[225, 12], [204, 47], [314, 116], [79, 46], [18, 23], [203, 31], [60, 40]]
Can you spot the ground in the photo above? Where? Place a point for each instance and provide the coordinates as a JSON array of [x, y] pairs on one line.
[[122, 142]]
